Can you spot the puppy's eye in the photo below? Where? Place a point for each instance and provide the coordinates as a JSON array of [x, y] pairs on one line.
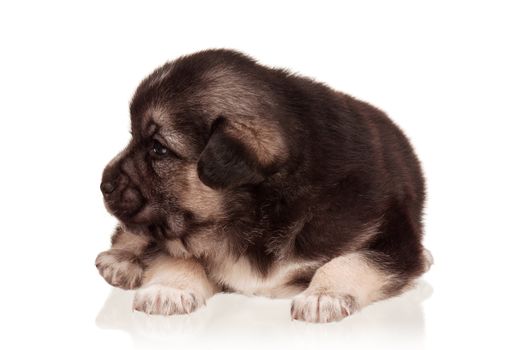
[[158, 149]]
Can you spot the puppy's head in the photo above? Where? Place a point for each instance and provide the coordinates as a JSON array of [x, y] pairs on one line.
[[204, 128]]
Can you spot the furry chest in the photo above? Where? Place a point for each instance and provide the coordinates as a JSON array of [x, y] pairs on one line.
[[239, 275]]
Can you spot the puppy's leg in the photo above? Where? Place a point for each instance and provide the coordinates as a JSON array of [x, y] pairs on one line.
[[349, 282], [340, 287], [121, 265], [173, 286]]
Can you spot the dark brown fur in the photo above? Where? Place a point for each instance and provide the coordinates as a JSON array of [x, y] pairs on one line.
[[292, 168]]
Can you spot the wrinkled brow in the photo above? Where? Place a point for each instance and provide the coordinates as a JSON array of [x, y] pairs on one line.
[[173, 139]]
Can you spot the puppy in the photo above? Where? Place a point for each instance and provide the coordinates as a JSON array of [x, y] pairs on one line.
[[247, 179]]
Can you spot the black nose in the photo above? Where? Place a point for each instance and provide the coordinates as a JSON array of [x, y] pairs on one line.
[[107, 187]]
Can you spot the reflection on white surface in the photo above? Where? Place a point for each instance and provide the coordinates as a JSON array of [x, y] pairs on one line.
[[236, 320]]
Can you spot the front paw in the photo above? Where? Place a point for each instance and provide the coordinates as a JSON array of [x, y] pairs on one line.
[[158, 299], [322, 306], [120, 268]]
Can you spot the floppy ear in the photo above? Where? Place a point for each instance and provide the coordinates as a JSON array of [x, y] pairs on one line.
[[226, 162]]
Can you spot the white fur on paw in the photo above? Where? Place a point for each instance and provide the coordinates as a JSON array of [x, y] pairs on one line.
[[119, 271], [158, 299], [321, 307]]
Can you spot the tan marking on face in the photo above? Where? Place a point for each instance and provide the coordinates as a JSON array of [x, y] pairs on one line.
[[158, 113], [176, 140], [198, 198]]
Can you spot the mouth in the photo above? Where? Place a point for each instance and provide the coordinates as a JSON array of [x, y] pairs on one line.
[[143, 221], [159, 229], [151, 221], [133, 213]]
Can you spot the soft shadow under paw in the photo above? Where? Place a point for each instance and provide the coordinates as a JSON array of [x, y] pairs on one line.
[[394, 323]]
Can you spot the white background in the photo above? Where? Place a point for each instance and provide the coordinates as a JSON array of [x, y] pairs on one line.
[[452, 75]]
